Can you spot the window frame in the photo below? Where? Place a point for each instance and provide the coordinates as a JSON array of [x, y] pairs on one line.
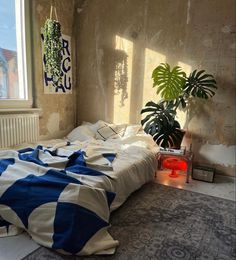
[[25, 20]]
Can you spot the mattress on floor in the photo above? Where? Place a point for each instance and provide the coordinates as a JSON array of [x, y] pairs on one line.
[[135, 164], [40, 177], [132, 168]]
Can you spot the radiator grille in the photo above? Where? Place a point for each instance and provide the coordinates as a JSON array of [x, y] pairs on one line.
[[17, 129]]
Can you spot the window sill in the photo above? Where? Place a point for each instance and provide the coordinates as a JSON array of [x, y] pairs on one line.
[[19, 110]]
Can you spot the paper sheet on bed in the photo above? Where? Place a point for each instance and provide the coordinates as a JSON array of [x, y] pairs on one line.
[[52, 204]]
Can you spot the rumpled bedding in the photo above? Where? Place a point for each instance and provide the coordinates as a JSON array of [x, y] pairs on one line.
[[54, 207], [62, 192]]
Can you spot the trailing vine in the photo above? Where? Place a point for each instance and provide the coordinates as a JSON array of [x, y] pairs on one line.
[[121, 75], [53, 49]]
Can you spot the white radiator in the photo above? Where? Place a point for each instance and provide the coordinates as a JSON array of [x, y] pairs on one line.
[[18, 128]]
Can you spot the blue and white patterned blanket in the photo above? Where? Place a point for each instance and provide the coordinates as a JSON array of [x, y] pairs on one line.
[[40, 193]]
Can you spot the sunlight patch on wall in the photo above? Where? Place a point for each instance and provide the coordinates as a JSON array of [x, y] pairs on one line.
[[123, 76], [182, 115], [152, 60], [185, 67]]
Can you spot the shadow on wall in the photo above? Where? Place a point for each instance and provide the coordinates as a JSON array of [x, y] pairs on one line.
[[130, 96], [118, 53]]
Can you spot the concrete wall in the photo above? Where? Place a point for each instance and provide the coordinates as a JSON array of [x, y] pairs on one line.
[[191, 33], [58, 115]]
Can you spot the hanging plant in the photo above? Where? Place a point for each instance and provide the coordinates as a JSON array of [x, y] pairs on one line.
[[53, 48], [121, 75]]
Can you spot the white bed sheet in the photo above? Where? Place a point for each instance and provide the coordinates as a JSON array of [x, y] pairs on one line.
[[132, 170]]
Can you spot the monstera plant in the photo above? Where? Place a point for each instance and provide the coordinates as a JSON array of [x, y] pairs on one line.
[[175, 89]]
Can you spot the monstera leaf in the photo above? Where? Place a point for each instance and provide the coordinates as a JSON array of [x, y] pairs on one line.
[[157, 114], [169, 135], [160, 123], [200, 84], [169, 82]]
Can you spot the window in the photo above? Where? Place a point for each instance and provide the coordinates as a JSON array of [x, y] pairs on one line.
[[14, 54]]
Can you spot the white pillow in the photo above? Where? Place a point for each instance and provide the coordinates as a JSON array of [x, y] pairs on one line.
[[81, 133], [132, 130], [94, 126], [86, 123], [107, 131]]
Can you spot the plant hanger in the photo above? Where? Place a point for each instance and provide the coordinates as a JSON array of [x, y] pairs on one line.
[[53, 8]]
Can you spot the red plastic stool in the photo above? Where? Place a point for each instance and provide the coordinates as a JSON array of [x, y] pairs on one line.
[[174, 164]]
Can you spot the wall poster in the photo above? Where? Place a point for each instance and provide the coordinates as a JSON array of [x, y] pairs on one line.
[[65, 87]]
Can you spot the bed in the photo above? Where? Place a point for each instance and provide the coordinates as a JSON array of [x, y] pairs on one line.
[[62, 191]]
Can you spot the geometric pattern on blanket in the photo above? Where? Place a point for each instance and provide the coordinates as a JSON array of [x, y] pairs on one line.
[[77, 164], [78, 158], [7, 229], [57, 210]]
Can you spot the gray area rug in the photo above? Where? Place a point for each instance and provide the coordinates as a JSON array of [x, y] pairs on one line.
[[161, 222]]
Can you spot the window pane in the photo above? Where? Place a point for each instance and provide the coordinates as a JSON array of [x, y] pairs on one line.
[[11, 49]]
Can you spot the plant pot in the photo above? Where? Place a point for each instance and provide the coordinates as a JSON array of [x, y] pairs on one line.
[[177, 142]]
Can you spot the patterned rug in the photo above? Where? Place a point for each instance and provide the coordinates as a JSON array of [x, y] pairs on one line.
[[163, 223]]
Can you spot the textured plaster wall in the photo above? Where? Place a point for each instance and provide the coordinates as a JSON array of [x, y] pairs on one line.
[[191, 33], [58, 111]]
